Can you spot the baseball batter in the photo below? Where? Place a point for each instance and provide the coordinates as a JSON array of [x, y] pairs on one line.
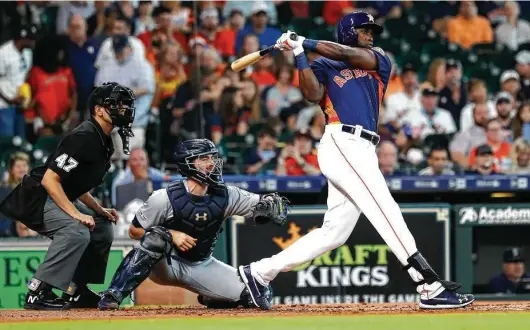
[[349, 81], [178, 228]]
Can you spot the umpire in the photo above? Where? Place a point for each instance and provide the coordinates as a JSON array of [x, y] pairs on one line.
[[47, 201]]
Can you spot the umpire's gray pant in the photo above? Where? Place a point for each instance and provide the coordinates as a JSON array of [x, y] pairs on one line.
[[76, 254], [210, 278]]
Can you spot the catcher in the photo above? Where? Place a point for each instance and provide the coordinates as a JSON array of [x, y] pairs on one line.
[[178, 227]]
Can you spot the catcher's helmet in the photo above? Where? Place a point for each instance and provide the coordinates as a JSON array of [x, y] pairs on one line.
[[118, 101], [187, 151], [346, 34]]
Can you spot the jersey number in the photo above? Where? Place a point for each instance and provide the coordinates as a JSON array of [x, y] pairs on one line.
[[61, 162]]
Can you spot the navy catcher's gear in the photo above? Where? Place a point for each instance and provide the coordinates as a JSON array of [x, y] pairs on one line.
[[187, 151], [271, 207], [136, 266], [118, 101], [346, 34], [418, 262]]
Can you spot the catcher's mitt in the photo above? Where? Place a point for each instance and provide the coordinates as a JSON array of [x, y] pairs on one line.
[[271, 207]]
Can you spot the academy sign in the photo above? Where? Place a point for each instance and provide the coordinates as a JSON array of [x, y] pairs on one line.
[[493, 214]]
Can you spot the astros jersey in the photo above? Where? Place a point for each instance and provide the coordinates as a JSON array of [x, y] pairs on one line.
[[352, 96]]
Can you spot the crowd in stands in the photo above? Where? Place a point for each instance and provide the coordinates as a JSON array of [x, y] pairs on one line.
[[457, 101]]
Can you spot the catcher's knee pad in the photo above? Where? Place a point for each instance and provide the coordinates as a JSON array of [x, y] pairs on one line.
[[418, 262], [157, 242]]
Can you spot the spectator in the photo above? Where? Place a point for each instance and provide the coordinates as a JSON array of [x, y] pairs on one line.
[[251, 99], [15, 62], [436, 74], [137, 170], [170, 74], [513, 278], [263, 73], [17, 167], [485, 163], [478, 94], [441, 12], [166, 27], [282, 94], [300, 158], [405, 141], [510, 82], [250, 45], [395, 83], [247, 8], [438, 161], [122, 27], [387, 158], [288, 116], [521, 122], [263, 158], [453, 96], [520, 156], [333, 11], [464, 141], [514, 31], [431, 120], [101, 23], [67, 9], [81, 55], [181, 16], [54, 91], [222, 40], [406, 103], [504, 105], [235, 22], [468, 28], [267, 35], [500, 148], [144, 21], [231, 110], [133, 72], [523, 69]]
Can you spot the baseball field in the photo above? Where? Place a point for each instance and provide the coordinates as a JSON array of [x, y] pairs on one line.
[[481, 315]]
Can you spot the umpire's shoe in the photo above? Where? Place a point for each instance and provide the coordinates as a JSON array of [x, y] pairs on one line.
[[45, 300], [259, 294], [447, 300], [108, 302], [83, 298]]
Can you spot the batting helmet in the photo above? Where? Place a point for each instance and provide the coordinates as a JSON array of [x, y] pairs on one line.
[[187, 151], [346, 34]]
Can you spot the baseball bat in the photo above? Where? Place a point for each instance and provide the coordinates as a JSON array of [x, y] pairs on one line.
[[247, 60]]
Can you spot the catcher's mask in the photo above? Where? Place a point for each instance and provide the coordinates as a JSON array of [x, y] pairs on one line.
[[210, 171], [118, 101]]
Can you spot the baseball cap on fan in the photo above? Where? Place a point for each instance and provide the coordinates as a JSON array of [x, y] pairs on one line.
[[209, 12], [119, 42], [504, 97], [259, 7], [523, 57], [484, 149], [508, 75], [512, 255]]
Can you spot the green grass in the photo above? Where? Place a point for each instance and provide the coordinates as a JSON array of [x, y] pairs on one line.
[[494, 321]]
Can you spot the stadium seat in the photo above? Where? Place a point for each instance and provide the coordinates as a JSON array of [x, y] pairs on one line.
[[47, 144]]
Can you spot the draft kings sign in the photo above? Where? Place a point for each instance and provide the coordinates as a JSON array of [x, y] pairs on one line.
[[361, 270]]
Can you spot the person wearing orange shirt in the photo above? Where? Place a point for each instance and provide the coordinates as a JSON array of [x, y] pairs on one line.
[[221, 39], [300, 158], [501, 149], [468, 28]]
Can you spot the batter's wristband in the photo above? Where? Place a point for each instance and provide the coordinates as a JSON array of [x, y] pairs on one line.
[[301, 62], [310, 44]]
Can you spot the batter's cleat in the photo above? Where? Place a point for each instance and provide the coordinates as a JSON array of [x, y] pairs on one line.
[[45, 300], [259, 294], [83, 298], [108, 302], [447, 300]]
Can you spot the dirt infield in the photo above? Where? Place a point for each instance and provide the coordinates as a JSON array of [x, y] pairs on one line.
[[285, 310]]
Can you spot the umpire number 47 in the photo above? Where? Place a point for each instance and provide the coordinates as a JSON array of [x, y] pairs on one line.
[[62, 162]]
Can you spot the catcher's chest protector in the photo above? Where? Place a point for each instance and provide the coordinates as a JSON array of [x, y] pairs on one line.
[[200, 217]]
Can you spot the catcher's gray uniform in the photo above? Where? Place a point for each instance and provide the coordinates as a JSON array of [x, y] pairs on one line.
[[210, 278]]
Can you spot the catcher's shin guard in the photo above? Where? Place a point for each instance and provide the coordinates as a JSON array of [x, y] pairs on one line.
[[137, 265], [418, 262]]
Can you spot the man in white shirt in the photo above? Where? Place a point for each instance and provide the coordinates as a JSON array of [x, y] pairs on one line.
[[406, 103], [475, 135], [137, 74], [514, 31], [431, 119], [15, 62], [122, 26], [505, 106], [438, 163], [478, 94]]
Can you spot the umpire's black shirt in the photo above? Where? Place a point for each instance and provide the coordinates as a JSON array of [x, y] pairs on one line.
[[82, 158]]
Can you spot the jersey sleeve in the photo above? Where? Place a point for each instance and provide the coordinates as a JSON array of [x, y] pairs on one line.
[[384, 65], [156, 210], [240, 202], [72, 151], [319, 69]]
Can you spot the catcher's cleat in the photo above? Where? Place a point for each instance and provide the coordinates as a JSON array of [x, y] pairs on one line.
[[259, 294], [45, 300], [83, 298], [108, 302], [447, 300]]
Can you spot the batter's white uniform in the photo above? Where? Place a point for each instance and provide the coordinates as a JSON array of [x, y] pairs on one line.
[[350, 164]]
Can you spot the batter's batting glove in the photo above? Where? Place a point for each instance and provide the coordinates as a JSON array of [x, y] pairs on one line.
[[297, 45]]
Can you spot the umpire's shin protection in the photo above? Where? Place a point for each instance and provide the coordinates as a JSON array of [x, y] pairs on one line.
[[418, 262], [134, 269]]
